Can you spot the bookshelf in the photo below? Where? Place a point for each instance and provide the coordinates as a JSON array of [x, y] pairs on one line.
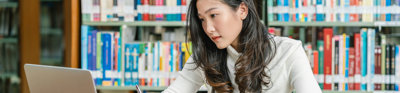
[[139, 23], [8, 4], [8, 40], [336, 24], [294, 20]]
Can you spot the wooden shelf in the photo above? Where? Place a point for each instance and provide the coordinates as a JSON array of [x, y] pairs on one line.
[[138, 23]]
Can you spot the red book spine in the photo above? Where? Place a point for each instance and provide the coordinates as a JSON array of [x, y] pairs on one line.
[[351, 68], [357, 48], [315, 69], [294, 15], [378, 67], [353, 15], [328, 34], [146, 15], [184, 7]]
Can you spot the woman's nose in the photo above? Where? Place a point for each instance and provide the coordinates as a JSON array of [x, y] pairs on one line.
[[209, 27]]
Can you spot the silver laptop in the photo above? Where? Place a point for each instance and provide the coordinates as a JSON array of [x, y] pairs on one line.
[[51, 79]]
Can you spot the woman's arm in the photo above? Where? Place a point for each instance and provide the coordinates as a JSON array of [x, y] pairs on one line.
[[301, 77], [188, 81]]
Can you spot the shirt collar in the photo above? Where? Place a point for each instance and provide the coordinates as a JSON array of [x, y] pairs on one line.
[[232, 52]]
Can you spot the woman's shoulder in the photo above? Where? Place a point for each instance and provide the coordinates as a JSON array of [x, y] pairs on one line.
[[285, 42]]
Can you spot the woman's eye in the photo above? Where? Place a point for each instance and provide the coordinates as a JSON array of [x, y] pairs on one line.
[[213, 15], [201, 20]]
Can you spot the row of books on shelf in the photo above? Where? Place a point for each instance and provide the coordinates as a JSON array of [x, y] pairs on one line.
[[363, 61], [9, 61], [134, 10], [115, 63], [333, 10], [9, 22]]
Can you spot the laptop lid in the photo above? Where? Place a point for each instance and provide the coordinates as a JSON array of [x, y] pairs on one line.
[[51, 79]]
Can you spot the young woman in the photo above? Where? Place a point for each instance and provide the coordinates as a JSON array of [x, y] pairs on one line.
[[233, 52]]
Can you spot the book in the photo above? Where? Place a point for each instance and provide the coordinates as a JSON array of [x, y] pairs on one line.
[[328, 34]]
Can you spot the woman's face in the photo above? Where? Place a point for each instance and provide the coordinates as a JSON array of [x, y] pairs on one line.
[[220, 22]]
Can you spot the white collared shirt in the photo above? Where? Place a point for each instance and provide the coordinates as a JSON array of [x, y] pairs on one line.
[[289, 70]]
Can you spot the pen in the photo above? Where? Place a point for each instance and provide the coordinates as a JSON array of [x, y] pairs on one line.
[[138, 89]]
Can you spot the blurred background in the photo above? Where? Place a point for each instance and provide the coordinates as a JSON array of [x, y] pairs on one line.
[[352, 45]]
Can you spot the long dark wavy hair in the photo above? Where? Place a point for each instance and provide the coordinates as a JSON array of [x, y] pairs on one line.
[[255, 43]]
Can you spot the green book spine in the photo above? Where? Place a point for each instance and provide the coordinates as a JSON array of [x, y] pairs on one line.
[[99, 44], [269, 7], [320, 46]]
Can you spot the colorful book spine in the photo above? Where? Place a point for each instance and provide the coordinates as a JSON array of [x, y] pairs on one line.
[[316, 67], [393, 68], [342, 63], [346, 73], [383, 61], [84, 46], [86, 10], [93, 62], [370, 55], [96, 16], [319, 13], [378, 75], [328, 34], [128, 65], [286, 16], [106, 58], [364, 59], [347, 15], [336, 63], [351, 68], [357, 47], [388, 15], [397, 63], [99, 61], [320, 45], [387, 67]]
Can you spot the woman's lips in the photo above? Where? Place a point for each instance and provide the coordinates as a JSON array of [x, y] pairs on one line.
[[215, 38]]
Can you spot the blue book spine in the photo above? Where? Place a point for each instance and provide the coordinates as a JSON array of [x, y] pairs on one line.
[[84, 45], [286, 16], [377, 4], [319, 16], [347, 15], [180, 57], [397, 62], [178, 15], [135, 70], [89, 49], [388, 15], [106, 57], [139, 14], [346, 73], [297, 14], [364, 59], [171, 53], [119, 61], [94, 50], [128, 65], [279, 16]]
